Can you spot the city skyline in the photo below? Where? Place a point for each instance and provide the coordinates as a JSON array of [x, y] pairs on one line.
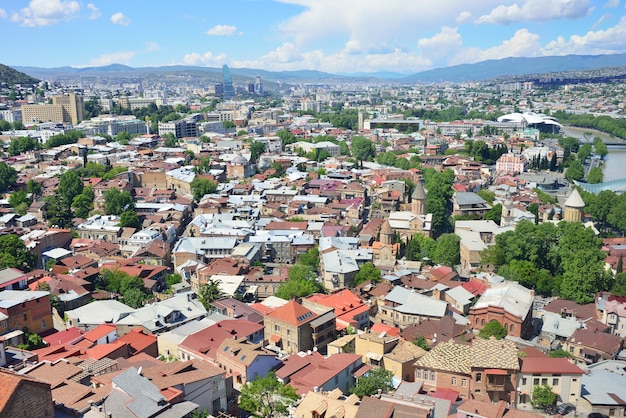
[[348, 36]]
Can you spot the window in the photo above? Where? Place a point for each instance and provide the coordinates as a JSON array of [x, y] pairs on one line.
[[536, 381], [432, 375], [479, 377], [276, 327], [512, 327], [464, 383], [418, 374], [544, 381], [43, 324], [571, 349], [523, 381], [555, 381], [454, 381]]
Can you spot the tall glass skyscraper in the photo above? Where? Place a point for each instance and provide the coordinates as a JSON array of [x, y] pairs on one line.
[[229, 90]]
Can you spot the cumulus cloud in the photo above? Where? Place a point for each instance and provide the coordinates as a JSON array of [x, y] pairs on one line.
[[443, 43], [46, 12], [607, 41], [539, 10], [522, 44], [389, 23], [123, 57], [207, 59], [222, 30], [95, 12], [119, 19], [289, 57], [463, 17]]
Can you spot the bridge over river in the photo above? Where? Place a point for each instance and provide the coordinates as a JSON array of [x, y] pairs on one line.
[[617, 186]]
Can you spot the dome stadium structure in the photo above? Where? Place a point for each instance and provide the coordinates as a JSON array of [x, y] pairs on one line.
[[533, 120]]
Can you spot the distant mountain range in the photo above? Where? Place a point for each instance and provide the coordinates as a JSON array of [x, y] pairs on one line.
[[466, 72], [10, 76]]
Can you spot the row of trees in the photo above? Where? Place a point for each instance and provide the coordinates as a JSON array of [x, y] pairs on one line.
[[445, 250], [612, 126], [439, 199], [564, 259], [607, 209]]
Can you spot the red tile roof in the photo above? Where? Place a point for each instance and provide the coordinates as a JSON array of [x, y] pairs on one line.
[[68, 336], [292, 313], [99, 332], [549, 365]]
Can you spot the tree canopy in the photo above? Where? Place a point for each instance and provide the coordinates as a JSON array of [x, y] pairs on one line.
[[374, 380], [8, 177], [267, 397], [362, 149], [493, 329], [301, 283], [201, 187], [14, 254], [117, 202], [367, 272]]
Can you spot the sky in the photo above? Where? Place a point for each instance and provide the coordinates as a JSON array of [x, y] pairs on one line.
[[336, 36]]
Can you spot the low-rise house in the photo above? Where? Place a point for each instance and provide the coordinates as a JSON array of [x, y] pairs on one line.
[[294, 327], [587, 346], [202, 249], [26, 309], [510, 304], [163, 316], [468, 203], [23, 395], [334, 403], [310, 371], [612, 310], [403, 307], [434, 330], [486, 367], [89, 316], [603, 391], [349, 309], [244, 361], [564, 377], [13, 279]]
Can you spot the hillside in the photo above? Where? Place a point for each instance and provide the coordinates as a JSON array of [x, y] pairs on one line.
[[10, 76], [517, 66]]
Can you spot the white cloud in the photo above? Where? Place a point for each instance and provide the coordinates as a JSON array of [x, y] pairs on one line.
[[463, 17], [123, 57], [607, 41], [599, 21], [3, 14], [207, 59], [222, 30], [387, 24], [522, 44], [119, 19], [539, 10], [612, 3], [46, 12], [442, 44], [95, 12], [289, 57]]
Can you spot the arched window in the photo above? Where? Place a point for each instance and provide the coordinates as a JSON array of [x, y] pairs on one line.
[[483, 323], [506, 327]]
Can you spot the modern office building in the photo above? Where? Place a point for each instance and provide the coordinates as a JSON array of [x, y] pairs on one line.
[[229, 90]]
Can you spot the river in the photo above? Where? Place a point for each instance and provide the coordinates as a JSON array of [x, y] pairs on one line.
[[614, 163]]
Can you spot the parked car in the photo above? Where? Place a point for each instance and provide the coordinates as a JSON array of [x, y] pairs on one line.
[[565, 408], [597, 415]]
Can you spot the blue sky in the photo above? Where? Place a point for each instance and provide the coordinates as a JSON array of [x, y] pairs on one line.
[[343, 36]]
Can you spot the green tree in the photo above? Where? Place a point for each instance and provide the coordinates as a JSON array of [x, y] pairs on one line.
[[172, 279], [8, 177], [311, 258], [494, 214], [17, 198], [447, 250], [59, 213], [70, 186], [83, 203], [129, 219], [14, 254], [362, 149], [267, 397], [618, 287], [134, 297], [438, 198], [542, 397], [33, 187], [367, 272], [421, 342], [116, 202], [201, 187], [372, 382], [595, 175], [21, 145], [300, 283], [493, 329], [256, 149], [209, 292], [559, 353], [575, 171]]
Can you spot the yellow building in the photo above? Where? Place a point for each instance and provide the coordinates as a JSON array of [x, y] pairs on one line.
[[66, 108]]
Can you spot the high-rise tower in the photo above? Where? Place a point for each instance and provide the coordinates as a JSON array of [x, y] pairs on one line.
[[258, 85], [229, 90]]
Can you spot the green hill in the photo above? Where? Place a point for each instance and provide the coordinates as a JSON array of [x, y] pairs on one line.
[[10, 76]]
